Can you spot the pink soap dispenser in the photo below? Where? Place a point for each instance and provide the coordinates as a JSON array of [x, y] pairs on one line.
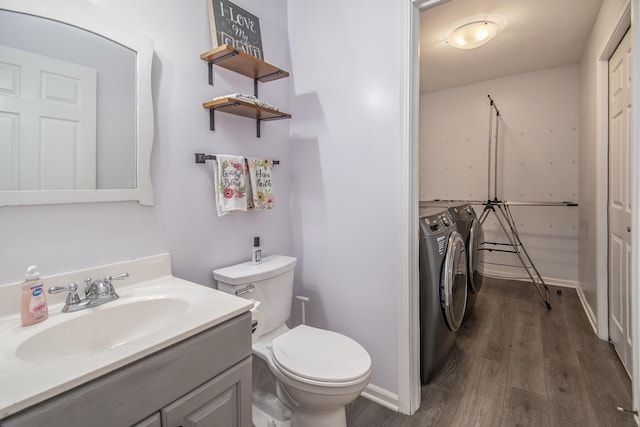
[[34, 302]]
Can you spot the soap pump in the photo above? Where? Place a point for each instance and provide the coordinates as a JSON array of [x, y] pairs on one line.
[[256, 252], [34, 302]]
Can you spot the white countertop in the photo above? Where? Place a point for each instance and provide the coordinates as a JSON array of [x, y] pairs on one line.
[[24, 383]]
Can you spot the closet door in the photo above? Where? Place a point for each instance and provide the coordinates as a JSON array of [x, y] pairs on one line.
[[620, 135]]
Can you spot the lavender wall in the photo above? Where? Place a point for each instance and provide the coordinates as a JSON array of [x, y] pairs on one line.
[[346, 75], [61, 238], [336, 187]]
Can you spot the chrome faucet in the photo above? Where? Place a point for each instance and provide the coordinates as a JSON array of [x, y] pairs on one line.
[[97, 292], [102, 289]]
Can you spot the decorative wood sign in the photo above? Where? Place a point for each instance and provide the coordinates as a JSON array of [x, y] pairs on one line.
[[234, 26]]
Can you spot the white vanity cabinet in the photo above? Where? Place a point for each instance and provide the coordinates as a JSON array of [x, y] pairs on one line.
[[204, 380]]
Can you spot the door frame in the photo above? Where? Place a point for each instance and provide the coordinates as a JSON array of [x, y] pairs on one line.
[[635, 219], [629, 17], [409, 394], [408, 282]]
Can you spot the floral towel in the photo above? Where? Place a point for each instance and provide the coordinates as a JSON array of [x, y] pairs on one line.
[[261, 183], [230, 184]]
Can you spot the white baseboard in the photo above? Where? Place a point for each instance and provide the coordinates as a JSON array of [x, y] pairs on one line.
[[382, 397], [587, 310], [501, 274]]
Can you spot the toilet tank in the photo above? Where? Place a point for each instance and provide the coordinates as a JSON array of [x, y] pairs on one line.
[[272, 282]]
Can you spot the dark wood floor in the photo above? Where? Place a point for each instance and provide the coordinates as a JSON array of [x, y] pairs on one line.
[[516, 363]]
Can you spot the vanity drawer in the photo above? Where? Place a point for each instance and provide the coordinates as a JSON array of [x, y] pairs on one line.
[[134, 392]]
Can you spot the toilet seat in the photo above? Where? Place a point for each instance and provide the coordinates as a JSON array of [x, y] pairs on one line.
[[318, 356]]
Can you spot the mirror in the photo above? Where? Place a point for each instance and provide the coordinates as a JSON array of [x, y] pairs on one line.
[[76, 117]]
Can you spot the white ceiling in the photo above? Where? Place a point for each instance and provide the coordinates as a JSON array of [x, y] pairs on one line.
[[536, 34]]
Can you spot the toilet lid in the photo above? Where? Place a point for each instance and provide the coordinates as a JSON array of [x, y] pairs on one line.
[[320, 355]]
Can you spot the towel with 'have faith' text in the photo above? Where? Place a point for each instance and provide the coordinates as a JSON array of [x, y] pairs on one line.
[[261, 183]]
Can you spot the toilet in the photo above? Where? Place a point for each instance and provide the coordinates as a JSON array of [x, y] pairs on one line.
[[318, 372]]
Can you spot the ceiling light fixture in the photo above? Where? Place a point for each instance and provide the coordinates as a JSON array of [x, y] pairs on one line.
[[472, 34]]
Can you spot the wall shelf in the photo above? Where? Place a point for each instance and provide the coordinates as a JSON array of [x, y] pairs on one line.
[[244, 109], [228, 57], [232, 59]]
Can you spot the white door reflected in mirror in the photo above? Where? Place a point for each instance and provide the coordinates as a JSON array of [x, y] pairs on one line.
[[48, 123]]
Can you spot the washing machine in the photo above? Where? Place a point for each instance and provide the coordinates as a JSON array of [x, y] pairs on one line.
[[468, 225], [443, 288]]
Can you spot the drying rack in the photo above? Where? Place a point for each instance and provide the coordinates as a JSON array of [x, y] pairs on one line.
[[502, 211]]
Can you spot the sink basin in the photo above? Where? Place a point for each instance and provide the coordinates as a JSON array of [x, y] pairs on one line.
[[105, 328]]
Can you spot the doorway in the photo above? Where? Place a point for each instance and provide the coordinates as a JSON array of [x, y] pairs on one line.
[[596, 228]]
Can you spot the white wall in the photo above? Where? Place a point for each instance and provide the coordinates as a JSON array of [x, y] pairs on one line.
[[592, 156], [537, 161], [183, 221], [346, 73]]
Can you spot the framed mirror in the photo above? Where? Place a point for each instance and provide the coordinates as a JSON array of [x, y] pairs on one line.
[[76, 109]]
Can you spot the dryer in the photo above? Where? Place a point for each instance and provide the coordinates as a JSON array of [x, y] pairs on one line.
[[443, 288], [468, 225]]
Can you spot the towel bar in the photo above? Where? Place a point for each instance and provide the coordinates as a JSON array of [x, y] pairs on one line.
[[202, 158]]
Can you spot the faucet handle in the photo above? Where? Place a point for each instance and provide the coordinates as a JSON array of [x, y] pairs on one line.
[[107, 283], [72, 296], [120, 276]]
